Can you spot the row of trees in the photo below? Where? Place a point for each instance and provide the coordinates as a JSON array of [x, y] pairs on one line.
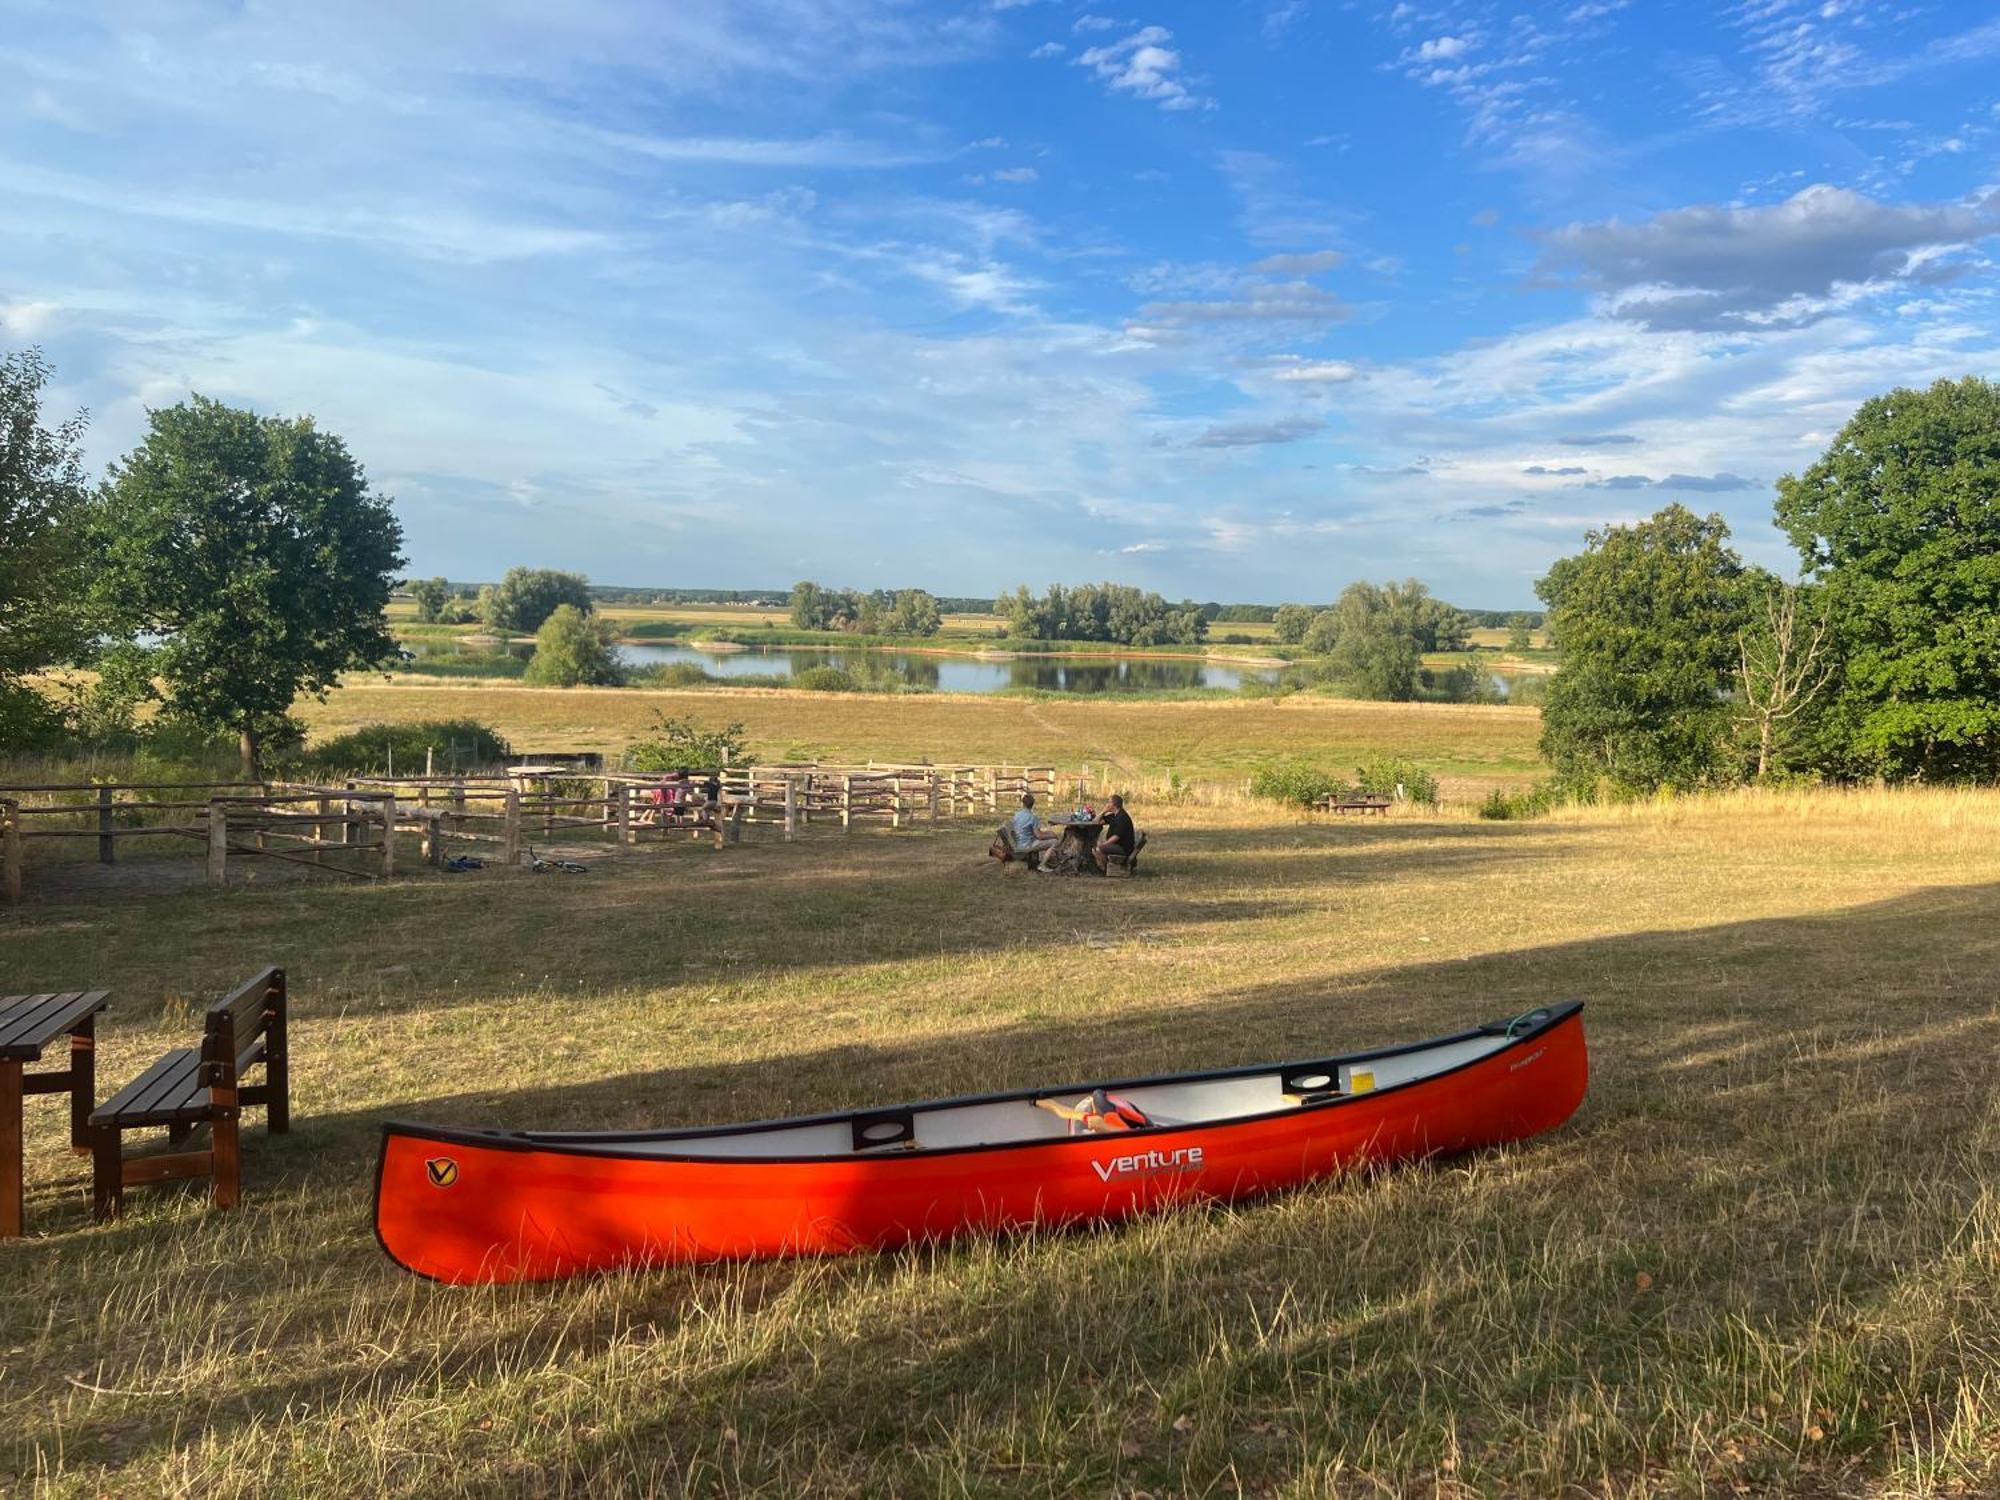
[[1112, 612], [250, 549], [518, 603], [879, 612], [1682, 666]]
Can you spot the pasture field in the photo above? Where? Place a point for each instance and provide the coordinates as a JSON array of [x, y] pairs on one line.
[[1476, 747], [1764, 1258]]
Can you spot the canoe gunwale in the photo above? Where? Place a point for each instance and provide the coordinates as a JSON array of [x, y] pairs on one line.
[[607, 1144]]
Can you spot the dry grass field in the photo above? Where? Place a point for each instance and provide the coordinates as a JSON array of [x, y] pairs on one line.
[[1474, 747], [1764, 1259]]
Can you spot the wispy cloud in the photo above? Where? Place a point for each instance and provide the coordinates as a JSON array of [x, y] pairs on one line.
[[1143, 65]]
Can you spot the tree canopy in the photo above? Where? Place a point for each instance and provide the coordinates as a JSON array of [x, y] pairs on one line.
[[43, 499], [525, 597], [1112, 612], [573, 649], [254, 547], [1375, 636], [880, 612], [1899, 522], [1647, 620]]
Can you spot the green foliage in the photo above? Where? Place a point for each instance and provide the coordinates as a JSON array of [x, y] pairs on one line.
[[1113, 612], [105, 714], [678, 743], [825, 680], [1297, 783], [910, 612], [1239, 614], [430, 596], [1374, 637], [1504, 807], [1393, 777], [1646, 618], [1292, 622], [573, 649], [1900, 522], [525, 598], [450, 745], [43, 502], [1520, 632], [677, 674], [255, 549]]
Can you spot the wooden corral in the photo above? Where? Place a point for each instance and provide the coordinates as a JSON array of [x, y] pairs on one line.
[[351, 828]]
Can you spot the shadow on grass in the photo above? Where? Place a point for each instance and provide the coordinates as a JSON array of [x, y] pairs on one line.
[[1777, 1131]]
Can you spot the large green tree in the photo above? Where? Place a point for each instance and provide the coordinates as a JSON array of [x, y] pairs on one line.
[[255, 549], [1899, 522], [43, 498], [526, 597], [573, 649], [1646, 619]]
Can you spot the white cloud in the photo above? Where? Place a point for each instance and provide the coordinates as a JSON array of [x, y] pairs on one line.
[[1257, 434], [1709, 267], [1262, 302], [1143, 65], [1095, 23], [1311, 263], [24, 320], [1049, 49], [1440, 49], [1316, 371]]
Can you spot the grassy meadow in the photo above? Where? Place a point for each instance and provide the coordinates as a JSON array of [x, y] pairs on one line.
[[1472, 747], [1765, 1258]]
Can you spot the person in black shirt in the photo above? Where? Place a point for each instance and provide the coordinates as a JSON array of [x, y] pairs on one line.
[[1118, 834]]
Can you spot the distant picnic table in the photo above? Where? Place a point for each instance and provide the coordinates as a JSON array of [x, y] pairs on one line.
[[1355, 802]]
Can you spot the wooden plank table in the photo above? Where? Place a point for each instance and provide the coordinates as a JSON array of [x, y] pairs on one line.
[[28, 1023]]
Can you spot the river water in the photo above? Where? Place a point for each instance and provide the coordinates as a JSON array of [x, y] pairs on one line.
[[964, 674]]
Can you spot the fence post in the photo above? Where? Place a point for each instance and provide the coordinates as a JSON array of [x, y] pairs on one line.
[[510, 828], [930, 782], [846, 800], [105, 842], [10, 850], [791, 808], [218, 842], [621, 810], [389, 835]]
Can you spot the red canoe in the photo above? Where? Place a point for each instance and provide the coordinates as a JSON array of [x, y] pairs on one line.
[[499, 1206]]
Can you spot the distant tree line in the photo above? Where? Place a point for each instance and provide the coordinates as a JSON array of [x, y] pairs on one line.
[[878, 612], [1681, 666], [1112, 612]]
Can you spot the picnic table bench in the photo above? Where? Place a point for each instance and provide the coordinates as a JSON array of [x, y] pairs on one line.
[[192, 1086], [1356, 802], [28, 1024]]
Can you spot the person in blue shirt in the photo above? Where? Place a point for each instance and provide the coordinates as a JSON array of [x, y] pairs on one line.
[[1031, 835]]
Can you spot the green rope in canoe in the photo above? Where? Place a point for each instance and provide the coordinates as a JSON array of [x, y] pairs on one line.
[[1527, 1020]]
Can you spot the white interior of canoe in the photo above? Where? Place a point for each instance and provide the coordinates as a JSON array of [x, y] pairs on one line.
[[983, 1123]]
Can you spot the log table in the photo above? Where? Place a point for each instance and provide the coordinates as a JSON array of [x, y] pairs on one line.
[[28, 1023], [1072, 853]]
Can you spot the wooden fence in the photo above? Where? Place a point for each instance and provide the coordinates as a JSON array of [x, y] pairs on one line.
[[352, 828]]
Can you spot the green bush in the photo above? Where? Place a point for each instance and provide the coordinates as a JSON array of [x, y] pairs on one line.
[[1390, 776], [680, 744], [677, 674], [1504, 807], [453, 745], [1295, 782], [573, 649], [826, 680]]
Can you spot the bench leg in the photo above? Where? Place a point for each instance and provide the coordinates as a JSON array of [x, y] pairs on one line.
[[227, 1161], [178, 1133], [82, 1082], [12, 1199], [107, 1173]]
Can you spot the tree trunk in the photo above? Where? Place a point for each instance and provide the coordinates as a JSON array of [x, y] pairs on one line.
[[247, 746], [1764, 747]]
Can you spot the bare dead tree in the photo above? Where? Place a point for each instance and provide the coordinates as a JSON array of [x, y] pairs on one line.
[[1783, 667]]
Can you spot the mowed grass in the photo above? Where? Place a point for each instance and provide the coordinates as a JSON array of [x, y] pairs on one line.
[[1764, 1258], [1205, 740]]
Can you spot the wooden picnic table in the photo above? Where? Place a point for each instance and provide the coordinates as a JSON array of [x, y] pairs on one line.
[[1072, 853], [1365, 802], [28, 1023]]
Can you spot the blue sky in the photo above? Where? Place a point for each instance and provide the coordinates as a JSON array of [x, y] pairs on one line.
[[1238, 300]]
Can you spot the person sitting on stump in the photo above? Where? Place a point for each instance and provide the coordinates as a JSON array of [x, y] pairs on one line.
[[1118, 837], [1031, 834]]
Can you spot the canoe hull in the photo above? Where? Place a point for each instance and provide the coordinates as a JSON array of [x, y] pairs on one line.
[[476, 1206]]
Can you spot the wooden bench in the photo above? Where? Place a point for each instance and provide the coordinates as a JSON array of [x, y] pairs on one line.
[[1007, 852], [1366, 802], [1117, 862], [193, 1086]]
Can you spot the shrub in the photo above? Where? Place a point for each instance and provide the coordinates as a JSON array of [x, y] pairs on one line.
[[1392, 777], [680, 744], [826, 680], [677, 674], [573, 649], [453, 744], [1505, 807], [1295, 782]]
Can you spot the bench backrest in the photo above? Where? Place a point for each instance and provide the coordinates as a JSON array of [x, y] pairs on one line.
[[243, 1025]]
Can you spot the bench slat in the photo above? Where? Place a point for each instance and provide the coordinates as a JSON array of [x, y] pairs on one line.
[[169, 1092]]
